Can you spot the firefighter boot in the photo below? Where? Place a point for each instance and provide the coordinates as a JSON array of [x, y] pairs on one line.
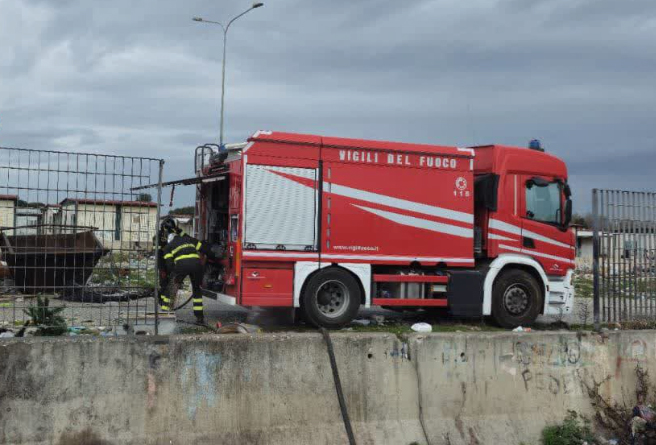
[[198, 308], [164, 303], [200, 319]]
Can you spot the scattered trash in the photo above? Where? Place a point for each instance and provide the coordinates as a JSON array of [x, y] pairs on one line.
[[422, 327], [7, 334], [613, 442], [521, 329], [379, 320], [362, 322], [643, 418]]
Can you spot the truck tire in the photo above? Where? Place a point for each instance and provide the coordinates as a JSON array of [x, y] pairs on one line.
[[331, 298], [516, 299]]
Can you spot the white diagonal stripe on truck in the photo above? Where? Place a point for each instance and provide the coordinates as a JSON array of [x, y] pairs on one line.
[[501, 238], [533, 253], [515, 230], [399, 203], [420, 223]]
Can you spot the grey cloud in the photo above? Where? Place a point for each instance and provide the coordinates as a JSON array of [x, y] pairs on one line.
[[142, 78]]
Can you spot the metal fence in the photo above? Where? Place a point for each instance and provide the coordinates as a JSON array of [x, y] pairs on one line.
[[624, 267], [73, 235]]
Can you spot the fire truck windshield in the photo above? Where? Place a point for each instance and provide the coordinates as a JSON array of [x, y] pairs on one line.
[[543, 201]]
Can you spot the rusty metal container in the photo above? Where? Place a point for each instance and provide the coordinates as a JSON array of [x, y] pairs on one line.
[[48, 262]]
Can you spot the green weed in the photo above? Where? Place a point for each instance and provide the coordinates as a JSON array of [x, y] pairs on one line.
[[46, 319], [574, 430]]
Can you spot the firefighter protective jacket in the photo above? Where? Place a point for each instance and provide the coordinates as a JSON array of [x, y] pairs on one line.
[[183, 247]]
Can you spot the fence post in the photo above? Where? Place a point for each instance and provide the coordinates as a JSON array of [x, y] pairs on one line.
[[595, 257], [159, 207]]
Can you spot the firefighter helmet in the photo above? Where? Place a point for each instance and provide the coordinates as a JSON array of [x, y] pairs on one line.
[[170, 225]]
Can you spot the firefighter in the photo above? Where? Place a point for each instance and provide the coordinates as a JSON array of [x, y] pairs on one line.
[[162, 239], [182, 256]]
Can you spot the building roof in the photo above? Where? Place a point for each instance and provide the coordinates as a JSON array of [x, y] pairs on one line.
[[9, 197], [108, 202], [184, 219]]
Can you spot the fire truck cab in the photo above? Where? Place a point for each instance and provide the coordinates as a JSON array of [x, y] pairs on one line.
[[328, 225]]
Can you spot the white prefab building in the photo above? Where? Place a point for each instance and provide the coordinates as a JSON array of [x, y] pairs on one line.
[[638, 246], [185, 222], [8, 210], [117, 224], [584, 250], [28, 220], [50, 219]]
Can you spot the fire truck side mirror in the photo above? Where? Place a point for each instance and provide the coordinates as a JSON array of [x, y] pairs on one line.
[[567, 191], [568, 213]]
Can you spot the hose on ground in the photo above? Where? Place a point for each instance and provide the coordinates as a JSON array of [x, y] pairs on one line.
[[183, 304], [338, 387]]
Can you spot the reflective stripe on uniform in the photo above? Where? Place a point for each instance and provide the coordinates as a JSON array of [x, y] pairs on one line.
[[165, 299], [164, 308], [198, 308], [179, 248], [184, 257], [168, 255], [198, 245]]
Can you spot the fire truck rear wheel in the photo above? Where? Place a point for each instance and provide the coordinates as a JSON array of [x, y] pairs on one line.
[[331, 298], [516, 299]]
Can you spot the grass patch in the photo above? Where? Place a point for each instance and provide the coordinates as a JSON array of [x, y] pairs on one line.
[[582, 286], [575, 430], [630, 287], [394, 327], [124, 269]]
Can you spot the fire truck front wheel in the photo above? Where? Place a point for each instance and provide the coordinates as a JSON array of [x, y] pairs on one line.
[[516, 299], [331, 298]]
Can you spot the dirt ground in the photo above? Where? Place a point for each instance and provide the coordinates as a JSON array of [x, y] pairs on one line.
[[139, 316]]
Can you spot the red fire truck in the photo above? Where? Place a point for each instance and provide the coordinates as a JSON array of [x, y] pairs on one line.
[[328, 225]]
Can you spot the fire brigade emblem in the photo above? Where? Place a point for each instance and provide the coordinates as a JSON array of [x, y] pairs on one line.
[[461, 183]]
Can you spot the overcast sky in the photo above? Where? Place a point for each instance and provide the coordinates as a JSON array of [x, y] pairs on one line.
[[140, 78]]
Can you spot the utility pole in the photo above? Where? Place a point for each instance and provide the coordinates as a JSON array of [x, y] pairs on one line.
[[225, 37]]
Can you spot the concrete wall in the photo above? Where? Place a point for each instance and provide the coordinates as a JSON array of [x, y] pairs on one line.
[[278, 389]]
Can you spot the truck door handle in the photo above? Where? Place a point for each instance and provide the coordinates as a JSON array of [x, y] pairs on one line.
[[528, 242]]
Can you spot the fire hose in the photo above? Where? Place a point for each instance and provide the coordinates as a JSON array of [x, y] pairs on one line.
[[338, 387]]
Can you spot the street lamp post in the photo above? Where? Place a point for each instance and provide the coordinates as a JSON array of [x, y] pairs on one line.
[[225, 37]]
